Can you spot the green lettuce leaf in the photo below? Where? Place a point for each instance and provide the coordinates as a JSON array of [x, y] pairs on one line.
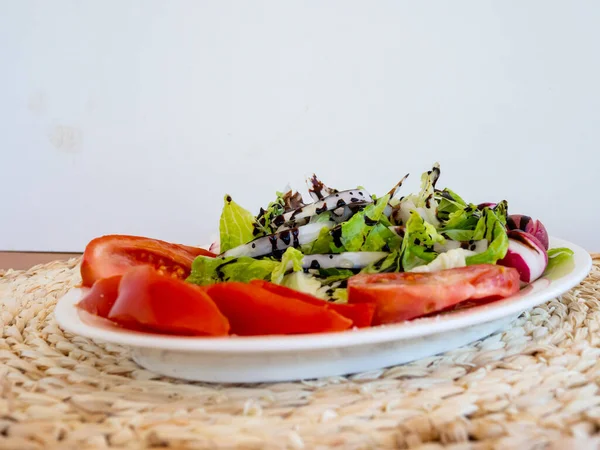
[[236, 226], [207, 270], [391, 263], [460, 224], [328, 276], [321, 245], [303, 282], [290, 260], [425, 202], [417, 244], [340, 295], [380, 238], [321, 218], [355, 230], [285, 201], [501, 211], [560, 263], [490, 227], [448, 203]]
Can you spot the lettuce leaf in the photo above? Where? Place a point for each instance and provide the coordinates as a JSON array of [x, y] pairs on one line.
[[355, 230], [447, 260], [303, 282], [381, 238], [501, 210], [285, 201], [417, 244], [560, 263], [290, 260], [490, 227], [416, 248], [207, 270], [425, 202], [448, 203], [391, 263], [236, 226], [328, 276], [460, 224], [321, 218], [321, 245], [340, 295]]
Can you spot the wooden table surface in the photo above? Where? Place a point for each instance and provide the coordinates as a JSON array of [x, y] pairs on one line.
[[25, 260]]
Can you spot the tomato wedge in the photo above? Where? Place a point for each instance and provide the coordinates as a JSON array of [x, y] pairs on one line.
[[252, 311], [101, 298], [406, 296], [112, 255], [166, 305], [361, 314]]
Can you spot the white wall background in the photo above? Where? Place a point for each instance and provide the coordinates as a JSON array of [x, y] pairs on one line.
[[136, 117]]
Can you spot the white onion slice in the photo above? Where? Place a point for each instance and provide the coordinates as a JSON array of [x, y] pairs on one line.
[[279, 241], [347, 260]]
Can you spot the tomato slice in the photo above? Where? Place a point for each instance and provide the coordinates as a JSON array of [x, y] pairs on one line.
[[166, 305], [254, 311], [111, 255], [361, 314], [406, 296], [100, 299]]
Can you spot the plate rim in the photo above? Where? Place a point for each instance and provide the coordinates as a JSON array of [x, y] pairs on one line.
[[67, 317]]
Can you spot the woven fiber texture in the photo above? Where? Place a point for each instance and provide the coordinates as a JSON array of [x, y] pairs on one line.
[[533, 386]]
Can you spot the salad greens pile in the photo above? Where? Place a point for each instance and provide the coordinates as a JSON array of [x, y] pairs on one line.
[[315, 247]]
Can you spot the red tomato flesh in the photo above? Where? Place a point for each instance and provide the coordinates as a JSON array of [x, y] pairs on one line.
[[405, 296], [361, 314], [254, 311], [101, 298], [165, 305], [112, 255]]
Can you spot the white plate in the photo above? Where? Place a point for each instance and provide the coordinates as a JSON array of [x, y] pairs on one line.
[[281, 358]]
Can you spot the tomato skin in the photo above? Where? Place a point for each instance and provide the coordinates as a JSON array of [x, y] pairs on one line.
[[361, 314], [405, 296], [112, 255], [167, 305], [254, 311], [101, 297]]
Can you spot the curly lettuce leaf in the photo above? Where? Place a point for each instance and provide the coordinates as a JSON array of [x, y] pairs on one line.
[[290, 260], [207, 270], [355, 230], [490, 227], [266, 216], [418, 241], [560, 263], [267, 219], [236, 226]]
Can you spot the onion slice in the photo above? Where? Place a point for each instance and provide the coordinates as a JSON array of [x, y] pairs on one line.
[[347, 260], [329, 203], [279, 242]]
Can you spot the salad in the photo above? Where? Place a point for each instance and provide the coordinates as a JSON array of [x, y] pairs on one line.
[[340, 259]]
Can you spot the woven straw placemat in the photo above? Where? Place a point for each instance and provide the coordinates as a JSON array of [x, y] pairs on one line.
[[535, 385]]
